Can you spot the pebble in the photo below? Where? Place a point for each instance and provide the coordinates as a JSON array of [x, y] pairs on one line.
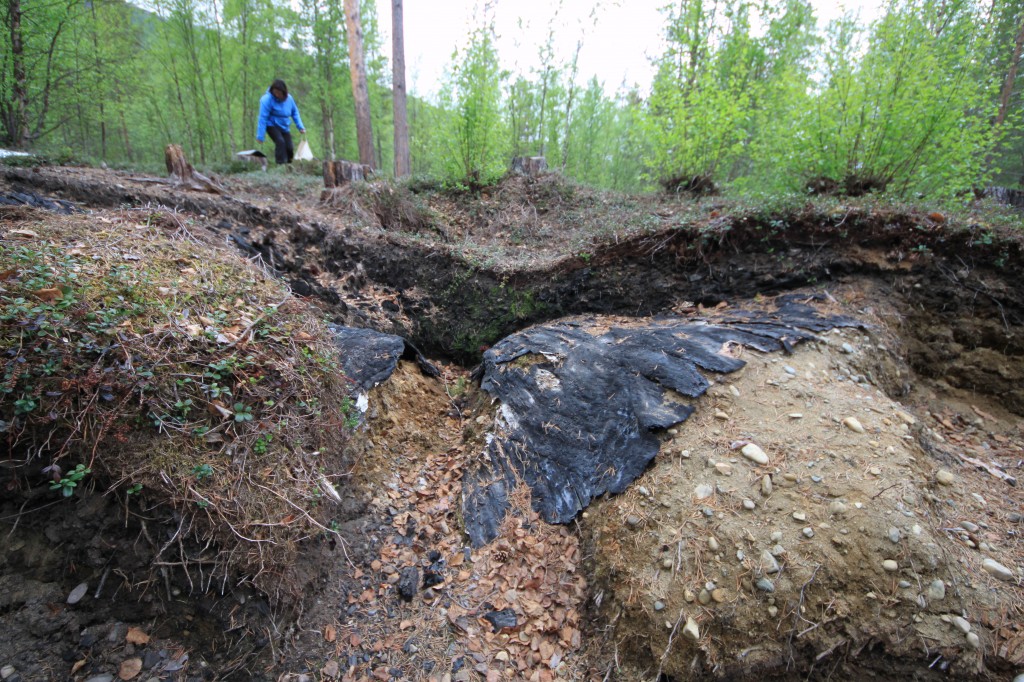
[[808, 532], [740, 556], [904, 584], [766, 485], [724, 468], [961, 624], [853, 424], [799, 516], [78, 593], [944, 477], [719, 595], [703, 491], [754, 454], [973, 640], [6, 671], [997, 569], [749, 505], [735, 391], [691, 631], [776, 536], [875, 471], [890, 565], [847, 348], [778, 550], [100, 678], [659, 606], [643, 491], [837, 507], [689, 596], [937, 590], [721, 415], [768, 562], [765, 585], [906, 417], [666, 564], [713, 544], [894, 534], [796, 415], [773, 611], [969, 527], [633, 521], [1015, 518], [704, 597], [789, 370]]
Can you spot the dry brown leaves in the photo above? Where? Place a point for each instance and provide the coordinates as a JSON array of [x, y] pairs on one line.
[[531, 569]]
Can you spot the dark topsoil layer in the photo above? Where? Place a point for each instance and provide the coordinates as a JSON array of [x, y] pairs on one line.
[[958, 290], [957, 286]]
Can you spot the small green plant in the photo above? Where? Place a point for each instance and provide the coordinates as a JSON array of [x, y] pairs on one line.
[[243, 412], [202, 471], [134, 489], [260, 446], [67, 484]]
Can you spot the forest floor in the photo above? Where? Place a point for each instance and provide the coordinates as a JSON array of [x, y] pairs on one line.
[[667, 581]]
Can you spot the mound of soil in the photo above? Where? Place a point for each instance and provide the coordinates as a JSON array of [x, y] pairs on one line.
[[860, 545]]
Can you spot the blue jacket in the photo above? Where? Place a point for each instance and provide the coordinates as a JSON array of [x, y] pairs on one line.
[[274, 113]]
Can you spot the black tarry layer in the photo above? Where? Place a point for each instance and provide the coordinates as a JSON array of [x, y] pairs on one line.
[[580, 402]]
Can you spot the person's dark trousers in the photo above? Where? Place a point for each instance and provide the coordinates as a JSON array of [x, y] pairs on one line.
[[284, 152]]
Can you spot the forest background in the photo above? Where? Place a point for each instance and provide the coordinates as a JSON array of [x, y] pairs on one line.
[[753, 96]]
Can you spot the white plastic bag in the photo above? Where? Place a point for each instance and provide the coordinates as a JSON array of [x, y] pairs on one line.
[[303, 152]]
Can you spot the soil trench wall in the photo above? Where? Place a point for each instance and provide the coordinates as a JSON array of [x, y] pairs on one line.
[[962, 307]]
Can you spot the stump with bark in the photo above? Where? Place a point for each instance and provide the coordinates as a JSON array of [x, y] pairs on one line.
[[338, 174], [530, 166], [183, 175]]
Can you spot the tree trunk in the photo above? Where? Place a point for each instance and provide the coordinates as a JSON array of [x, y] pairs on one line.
[[17, 126], [124, 132], [360, 91], [402, 165], [1011, 76]]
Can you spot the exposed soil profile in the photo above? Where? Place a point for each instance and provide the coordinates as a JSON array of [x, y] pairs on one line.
[[877, 534]]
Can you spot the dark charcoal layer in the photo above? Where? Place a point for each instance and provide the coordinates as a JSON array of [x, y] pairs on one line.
[[579, 407]]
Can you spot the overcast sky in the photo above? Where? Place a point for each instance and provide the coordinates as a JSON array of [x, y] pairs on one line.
[[618, 41]]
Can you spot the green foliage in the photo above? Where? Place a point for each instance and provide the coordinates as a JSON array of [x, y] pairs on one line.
[[475, 138], [912, 114], [67, 484]]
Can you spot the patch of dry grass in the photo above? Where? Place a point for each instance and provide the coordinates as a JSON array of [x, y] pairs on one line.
[[140, 358]]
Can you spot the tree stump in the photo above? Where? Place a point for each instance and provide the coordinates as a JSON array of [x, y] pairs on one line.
[[530, 166], [338, 174], [184, 176]]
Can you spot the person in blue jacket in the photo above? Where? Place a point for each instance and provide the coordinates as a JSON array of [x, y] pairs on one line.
[[276, 107]]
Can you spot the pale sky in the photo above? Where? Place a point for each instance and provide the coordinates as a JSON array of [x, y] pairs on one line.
[[618, 43]]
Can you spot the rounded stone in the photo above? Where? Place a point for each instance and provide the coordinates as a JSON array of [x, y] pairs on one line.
[[659, 606], [766, 485], [853, 424], [754, 453], [974, 641], [890, 566], [944, 477]]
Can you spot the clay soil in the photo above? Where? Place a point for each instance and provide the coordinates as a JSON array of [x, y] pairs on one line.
[[934, 379]]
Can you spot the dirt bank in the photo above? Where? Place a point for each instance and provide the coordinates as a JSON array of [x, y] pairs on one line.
[[397, 593]]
